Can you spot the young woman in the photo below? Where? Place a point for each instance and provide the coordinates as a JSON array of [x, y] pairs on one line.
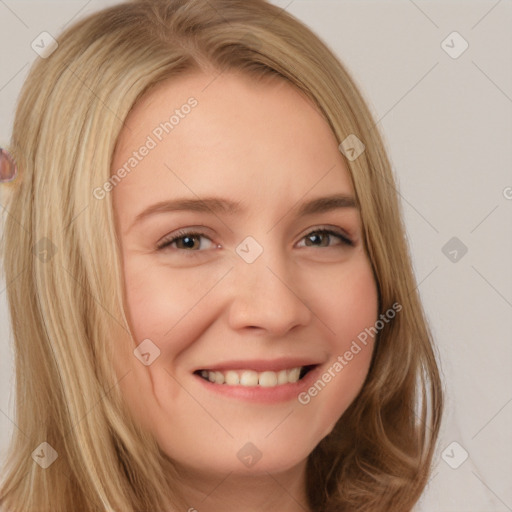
[[210, 290]]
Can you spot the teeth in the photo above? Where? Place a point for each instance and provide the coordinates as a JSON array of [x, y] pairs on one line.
[[282, 377], [294, 374], [251, 378], [268, 379], [232, 378]]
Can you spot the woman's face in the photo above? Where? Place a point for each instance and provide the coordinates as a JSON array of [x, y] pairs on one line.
[[227, 187]]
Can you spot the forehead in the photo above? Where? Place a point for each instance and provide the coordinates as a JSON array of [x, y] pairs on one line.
[[242, 136]]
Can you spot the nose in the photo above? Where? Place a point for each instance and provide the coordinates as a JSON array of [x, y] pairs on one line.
[[269, 295]]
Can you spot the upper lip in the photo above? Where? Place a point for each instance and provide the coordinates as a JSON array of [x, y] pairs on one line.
[[261, 365]]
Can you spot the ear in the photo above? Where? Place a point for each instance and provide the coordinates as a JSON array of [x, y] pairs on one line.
[[8, 167]]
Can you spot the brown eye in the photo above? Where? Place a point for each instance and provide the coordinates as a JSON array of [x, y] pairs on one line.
[[323, 238], [186, 241]]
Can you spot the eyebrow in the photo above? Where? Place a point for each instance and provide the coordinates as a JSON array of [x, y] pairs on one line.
[[218, 205]]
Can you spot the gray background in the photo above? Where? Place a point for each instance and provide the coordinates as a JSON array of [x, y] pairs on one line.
[[447, 123]]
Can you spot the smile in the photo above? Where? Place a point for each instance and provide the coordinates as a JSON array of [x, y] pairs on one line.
[[251, 378]]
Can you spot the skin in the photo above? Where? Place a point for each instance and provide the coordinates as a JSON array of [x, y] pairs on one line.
[[266, 145]]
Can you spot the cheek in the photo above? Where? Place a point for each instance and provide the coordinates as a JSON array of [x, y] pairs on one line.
[[152, 302], [161, 301], [348, 308], [345, 301], [169, 307]]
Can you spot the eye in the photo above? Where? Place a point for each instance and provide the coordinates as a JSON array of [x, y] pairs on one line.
[[323, 236], [190, 241], [194, 241]]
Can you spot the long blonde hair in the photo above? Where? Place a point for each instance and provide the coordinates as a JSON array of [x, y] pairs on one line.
[[65, 286]]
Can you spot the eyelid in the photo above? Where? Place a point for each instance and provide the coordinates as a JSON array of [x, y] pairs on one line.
[[167, 240], [343, 235]]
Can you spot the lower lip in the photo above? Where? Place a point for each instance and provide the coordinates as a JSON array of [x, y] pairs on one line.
[[262, 394]]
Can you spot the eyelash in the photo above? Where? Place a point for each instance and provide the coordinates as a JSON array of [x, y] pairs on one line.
[[184, 233]]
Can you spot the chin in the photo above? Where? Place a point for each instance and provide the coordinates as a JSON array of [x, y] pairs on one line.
[[257, 458]]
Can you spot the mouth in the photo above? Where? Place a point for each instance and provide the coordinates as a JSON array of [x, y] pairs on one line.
[[252, 378]]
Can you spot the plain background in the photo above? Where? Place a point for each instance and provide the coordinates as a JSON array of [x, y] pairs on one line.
[[447, 123]]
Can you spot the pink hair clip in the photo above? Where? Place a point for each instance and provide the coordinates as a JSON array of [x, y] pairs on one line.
[[8, 167]]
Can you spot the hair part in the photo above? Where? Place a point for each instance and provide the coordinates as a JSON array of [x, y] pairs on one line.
[[65, 285]]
